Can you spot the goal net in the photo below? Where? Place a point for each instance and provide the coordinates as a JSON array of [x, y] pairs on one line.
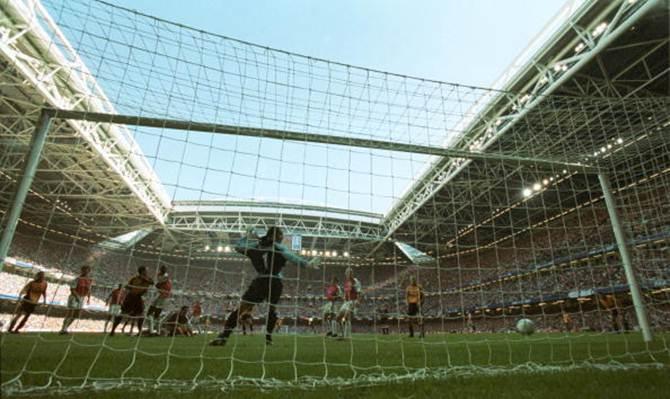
[[430, 229]]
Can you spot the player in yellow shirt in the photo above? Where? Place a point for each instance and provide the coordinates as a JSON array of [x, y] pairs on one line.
[[567, 321], [414, 299], [610, 303]]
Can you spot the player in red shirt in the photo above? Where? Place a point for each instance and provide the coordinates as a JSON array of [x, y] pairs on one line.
[[80, 289], [177, 323], [114, 301], [30, 297], [352, 292], [133, 304], [329, 309], [164, 287]]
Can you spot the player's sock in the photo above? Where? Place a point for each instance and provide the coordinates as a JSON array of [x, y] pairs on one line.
[[411, 330], [222, 338], [69, 323], [231, 323], [21, 324], [333, 328], [228, 328], [12, 324], [157, 321], [140, 322], [272, 321], [224, 335], [347, 328], [115, 323]]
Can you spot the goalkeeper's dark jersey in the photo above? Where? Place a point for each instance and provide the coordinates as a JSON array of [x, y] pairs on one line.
[[268, 260]]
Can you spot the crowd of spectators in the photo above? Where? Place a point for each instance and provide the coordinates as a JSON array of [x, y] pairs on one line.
[[571, 254]]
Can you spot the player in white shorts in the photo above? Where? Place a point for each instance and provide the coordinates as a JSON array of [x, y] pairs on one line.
[[329, 309], [196, 313], [352, 292], [161, 300], [80, 290], [114, 301]]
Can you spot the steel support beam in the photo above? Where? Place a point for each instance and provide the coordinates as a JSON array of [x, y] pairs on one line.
[[213, 206], [61, 78], [291, 224], [549, 78]]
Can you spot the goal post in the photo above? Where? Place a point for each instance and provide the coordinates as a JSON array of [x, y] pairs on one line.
[[47, 115], [475, 280], [32, 159], [308, 138], [622, 244]]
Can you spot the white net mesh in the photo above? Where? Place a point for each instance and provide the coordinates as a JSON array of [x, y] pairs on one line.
[[497, 211]]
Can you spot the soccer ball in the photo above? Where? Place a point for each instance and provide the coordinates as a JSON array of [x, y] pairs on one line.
[[525, 326]]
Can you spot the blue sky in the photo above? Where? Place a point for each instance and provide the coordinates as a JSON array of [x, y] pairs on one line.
[[165, 71], [459, 41]]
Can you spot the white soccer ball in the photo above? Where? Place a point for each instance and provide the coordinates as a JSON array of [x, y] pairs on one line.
[[525, 326]]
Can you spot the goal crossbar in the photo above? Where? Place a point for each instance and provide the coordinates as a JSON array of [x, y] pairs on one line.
[[307, 137]]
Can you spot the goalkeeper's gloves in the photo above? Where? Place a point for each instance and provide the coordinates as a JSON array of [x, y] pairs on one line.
[[314, 263], [251, 233]]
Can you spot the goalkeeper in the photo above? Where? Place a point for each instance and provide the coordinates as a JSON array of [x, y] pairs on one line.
[[268, 256]]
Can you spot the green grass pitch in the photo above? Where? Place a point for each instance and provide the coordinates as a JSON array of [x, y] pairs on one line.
[[292, 358]]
